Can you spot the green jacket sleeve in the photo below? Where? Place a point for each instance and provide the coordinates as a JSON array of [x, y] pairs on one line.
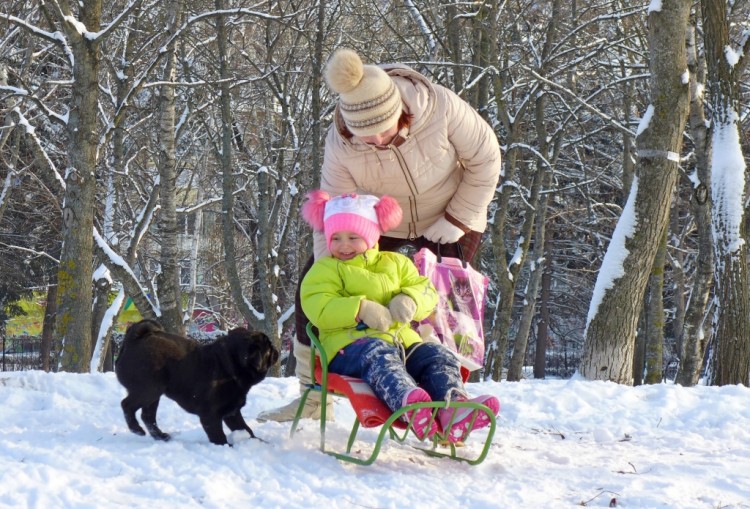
[[323, 299]]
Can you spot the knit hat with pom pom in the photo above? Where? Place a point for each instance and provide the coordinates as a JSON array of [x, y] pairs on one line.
[[366, 215], [369, 101]]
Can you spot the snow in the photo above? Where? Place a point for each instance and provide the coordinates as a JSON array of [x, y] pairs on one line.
[[558, 444], [733, 57], [612, 265], [728, 184], [645, 120], [75, 23], [654, 6]]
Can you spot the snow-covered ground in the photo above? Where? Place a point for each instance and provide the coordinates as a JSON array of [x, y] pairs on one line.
[[559, 443]]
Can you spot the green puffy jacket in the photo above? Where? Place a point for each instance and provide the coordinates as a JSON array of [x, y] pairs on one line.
[[332, 290]]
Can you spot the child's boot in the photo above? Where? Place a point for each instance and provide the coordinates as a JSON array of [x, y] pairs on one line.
[[423, 425], [459, 419]]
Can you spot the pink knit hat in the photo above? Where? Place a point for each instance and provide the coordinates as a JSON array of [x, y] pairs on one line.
[[366, 215]]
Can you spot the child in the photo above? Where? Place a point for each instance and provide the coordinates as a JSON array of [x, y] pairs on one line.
[[363, 301]]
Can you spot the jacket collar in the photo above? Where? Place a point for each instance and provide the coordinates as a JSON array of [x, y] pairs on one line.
[[364, 259]]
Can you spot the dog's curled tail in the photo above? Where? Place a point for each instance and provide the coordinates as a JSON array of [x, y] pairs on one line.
[[141, 329]]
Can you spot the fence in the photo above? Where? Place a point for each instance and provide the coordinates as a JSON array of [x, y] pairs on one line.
[[22, 353]]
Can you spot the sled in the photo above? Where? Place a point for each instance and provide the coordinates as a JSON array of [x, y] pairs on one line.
[[371, 412]]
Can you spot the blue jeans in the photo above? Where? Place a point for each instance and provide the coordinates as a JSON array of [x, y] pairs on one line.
[[429, 365]]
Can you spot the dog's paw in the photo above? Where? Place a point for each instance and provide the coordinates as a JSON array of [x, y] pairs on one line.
[[238, 436]]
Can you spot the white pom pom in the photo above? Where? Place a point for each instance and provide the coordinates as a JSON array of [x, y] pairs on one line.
[[344, 71]]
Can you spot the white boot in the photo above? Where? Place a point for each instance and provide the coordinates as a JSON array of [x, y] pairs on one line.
[[312, 406]]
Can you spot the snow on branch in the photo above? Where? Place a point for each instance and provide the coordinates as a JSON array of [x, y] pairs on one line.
[[424, 28], [39, 149], [32, 251], [55, 37], [93, 36], [117, 260]]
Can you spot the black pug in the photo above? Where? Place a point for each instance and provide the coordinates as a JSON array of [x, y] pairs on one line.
[[211, 381]]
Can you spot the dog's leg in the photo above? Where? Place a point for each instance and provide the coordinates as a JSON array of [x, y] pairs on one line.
[[129, 407], [212, 425], [235, 422], [148, 414]]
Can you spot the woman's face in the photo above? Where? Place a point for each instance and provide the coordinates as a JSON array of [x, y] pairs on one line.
[[347, 245], [381, 139]]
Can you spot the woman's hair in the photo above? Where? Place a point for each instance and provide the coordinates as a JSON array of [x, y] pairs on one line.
[[403, 121]]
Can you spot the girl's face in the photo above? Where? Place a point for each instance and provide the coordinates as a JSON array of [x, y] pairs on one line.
[[381, 139], [347, 245]]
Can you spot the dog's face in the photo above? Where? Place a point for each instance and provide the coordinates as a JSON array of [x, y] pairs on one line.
[[252, 351]]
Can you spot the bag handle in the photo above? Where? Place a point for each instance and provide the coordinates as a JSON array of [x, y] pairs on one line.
[[460, 251]]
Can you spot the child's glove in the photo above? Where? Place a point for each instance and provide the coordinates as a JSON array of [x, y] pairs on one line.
[[375, 315], [443, 231], [402, 308]]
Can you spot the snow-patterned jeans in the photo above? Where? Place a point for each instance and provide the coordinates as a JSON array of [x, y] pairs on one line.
[[428, 365]]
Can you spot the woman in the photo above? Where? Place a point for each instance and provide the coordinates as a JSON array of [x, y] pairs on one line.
[[395, 132]]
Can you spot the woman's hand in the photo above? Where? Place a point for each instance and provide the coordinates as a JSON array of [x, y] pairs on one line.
[[443, 231]]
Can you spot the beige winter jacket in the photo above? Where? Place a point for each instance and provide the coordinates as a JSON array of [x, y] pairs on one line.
[[448, 164]]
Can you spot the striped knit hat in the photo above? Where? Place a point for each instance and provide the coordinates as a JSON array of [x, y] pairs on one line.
[[369, 101]]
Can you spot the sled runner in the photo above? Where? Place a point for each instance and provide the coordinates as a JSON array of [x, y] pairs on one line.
[[371, 413]]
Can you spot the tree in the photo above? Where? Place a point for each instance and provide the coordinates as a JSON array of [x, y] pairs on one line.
[[694, 333], [731, 359], [75, 273], [616, 303], [168, 280]]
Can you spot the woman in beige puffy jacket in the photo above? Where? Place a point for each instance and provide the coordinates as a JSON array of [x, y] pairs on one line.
[[395, 132]]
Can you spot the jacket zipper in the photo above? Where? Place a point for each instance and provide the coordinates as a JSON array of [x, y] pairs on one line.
[[412, 189]]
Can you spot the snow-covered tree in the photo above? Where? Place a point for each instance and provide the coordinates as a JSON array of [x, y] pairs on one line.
[[731, 357], [618, 295]]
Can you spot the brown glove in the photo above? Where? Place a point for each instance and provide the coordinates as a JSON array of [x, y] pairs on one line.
[[402, 308], [375, 315]]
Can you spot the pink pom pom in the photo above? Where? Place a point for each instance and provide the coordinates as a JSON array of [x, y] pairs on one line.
[[389, 213], [314, 208]]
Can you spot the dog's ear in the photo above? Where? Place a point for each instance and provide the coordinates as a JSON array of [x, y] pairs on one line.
[[261, 352]]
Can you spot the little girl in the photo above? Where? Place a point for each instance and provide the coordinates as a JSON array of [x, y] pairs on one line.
[[363, 301]]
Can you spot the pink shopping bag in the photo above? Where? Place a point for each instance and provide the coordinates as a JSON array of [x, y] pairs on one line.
[[458, 317]]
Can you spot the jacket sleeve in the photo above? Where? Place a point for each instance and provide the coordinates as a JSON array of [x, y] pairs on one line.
[[418, 287], [323, 301], [478, 152]]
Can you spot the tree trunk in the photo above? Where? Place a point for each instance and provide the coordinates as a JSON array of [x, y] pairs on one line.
[[616, 303], [75, 271], [102, 287], [693, 333], [532, 290], [732, 320], [168, 281], [542, 330], [639, 355], [508, 274], [48, 327], [654, 354], [226, 161]]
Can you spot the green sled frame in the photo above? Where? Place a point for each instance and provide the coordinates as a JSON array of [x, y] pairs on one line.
[[391, 423]]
